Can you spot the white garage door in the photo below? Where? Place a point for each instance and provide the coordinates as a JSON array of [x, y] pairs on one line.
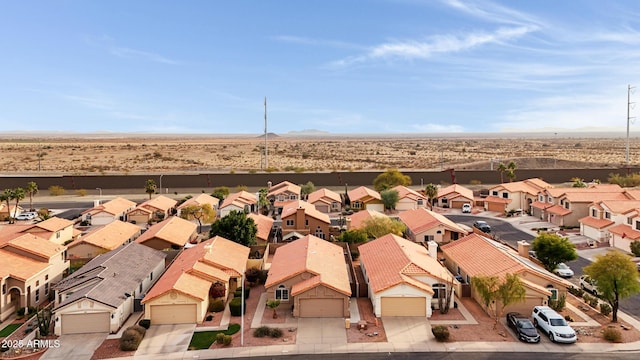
[[376, 207], [85, 323], [173, 314], [321, 308], [404, 306]]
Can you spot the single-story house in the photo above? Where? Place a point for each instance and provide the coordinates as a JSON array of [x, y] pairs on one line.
[[359, 219], [240, 201], [54, 229], [199, 200], [362, 198], [181, 295], [404, 279], [103, 239], [454, 196], [310, 276], [156, 209], [172, 233], [325, 200], [424, 225], [99, 297], [103, 214], [409, 199]]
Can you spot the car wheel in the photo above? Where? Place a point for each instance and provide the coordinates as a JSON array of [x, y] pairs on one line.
[[595, 293], [535, 322], [583, 287], [551, 337]]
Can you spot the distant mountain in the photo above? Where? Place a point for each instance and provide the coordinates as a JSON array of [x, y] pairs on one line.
[[269, 136]]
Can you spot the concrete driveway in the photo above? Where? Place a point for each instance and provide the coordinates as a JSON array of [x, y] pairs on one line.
[[75, 347], [321, 331], [163, 339], [410, 330]]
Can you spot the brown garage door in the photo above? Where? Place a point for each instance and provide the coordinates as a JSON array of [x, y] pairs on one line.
[[404, 306], [85, 323], [321, 307], [173, 314]]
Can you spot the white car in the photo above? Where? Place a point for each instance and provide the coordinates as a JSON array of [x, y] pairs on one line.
[[563, 270], [588, 284], [26, 216], [466, 208], [553, 324]]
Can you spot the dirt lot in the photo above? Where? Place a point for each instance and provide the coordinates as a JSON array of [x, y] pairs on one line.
[[131, 155], [594, 334]]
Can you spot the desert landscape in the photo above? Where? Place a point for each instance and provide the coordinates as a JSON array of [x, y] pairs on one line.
[[184, 154]]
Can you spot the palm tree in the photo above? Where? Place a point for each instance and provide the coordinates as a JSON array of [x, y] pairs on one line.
[[501, 169], [263, 201], [18, 194], [32, 190], [431, 191], [150, 187], [511, 171], [6, 197]]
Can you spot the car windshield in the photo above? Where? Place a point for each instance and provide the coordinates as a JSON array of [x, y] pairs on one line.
[[525, 324], [558, 322], [562, 266]]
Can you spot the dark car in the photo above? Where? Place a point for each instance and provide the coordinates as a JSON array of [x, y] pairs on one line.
[[523, 327], [482, 226]]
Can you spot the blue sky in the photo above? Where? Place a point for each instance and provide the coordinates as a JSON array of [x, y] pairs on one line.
[[342, 66]]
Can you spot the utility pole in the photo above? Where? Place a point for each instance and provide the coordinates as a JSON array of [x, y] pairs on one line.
[[266, 151], [629, 118]]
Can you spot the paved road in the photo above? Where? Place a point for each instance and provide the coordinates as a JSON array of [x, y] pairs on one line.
[[455, 356]]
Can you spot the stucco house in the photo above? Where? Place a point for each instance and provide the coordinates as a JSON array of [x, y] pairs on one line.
[[301, 218], [514, 195], [310, 276], [54, 229], [264, 224], [403, 277], [282, 193], [325, 200], [156, 209], [454, 196], [9, 211], [359, 219], [181, 295], [172, 233], [112, 210], [362, 198], [29, 267], [240, 201], [199, 200], [476, 255], [99, 297], [424, 225], [103, 239], [617, 222], [409, 199]]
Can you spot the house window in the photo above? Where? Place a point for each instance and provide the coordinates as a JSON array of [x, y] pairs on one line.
[[37, 282], [306, 222], [607, 215], [445, 200], [292, 197], [541, 198], [291, 222], [468, 280], [436, 290], [428, 238], [57, 234], [46, 277], [46, 288], [356, 205], [4, 289], [280, 197], [140, 288], [549, 199], [566, 204], [420, 202], [458, 270], [151, 276], [494, 193], [629, 221], [282, 293], [505, 195], [37, 295], [335, 205], [319, 233], [637, 225], [594, 213]]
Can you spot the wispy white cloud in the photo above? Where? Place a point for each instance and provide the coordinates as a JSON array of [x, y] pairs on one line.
[[139, 54], [492, 12]]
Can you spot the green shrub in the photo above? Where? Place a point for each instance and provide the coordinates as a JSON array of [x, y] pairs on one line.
[[235, 307], [593, 302], [21, 312], [227, 340], [635, 248], [262, 331], [558, 304], [219, 338], [612, 335], [440, 332], [140, 329], [145, 323], [130, 340], [262, 277], [238, 293], [276, 333], [605, 309], [576, 291], [586, 297], [55, 190], [216, 306]]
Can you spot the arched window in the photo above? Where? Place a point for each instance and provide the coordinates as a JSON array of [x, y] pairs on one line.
[[282, 293], [437, 288]]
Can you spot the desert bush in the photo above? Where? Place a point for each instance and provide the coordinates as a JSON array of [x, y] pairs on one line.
[[238, 293], [276, 333], [635, 248], [262, 277], [586, 297], [145, 323], [262, 331], [227, 340], [612, 335], [216, 306], [593, 302], [252, 275], [56, 190], [440, 332], [235, 307], [559, 303], [219, 338], [81, 192], [605, 309], [217, 290], [130, 340], [475, 182], [576, 291], [140, 329]]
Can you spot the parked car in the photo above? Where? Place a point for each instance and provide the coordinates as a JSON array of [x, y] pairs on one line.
[[523, 327], [588, 284], [563, 270], [466, 208], [482, 226], [553, 324], [26, 216]]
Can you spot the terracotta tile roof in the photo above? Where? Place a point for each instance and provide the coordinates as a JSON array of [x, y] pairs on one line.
[[109, 236], [421, 219], [10, 231], [283, 187], [115, 206], [239, 199], [541, 205], [291, 208], [558, 210], [264, 223], [227, 255], [363, 193], [633, 194], [209, 272], [174, 230], [390, 260], [107, 277], [620, 206], [201, 200], [358, 219], [19, 267], [324, 195], [159, 202], [595, 223], [496, 199], [594, 196], [313, 255], [35, 245], [193, 286], [53, 224], [456, 189], [477, 255], [529, 186], [405, 192], [625, 231]]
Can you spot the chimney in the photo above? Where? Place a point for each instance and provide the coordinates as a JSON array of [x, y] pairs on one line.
[[347, 222], [96, 203], [269, 183], [523, 248], [433, 249]]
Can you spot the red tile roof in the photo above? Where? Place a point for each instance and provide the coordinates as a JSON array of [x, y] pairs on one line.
[[456, 189], [115, 206], [239, 199], [421, 219], [595, 223], [264, 224], [201, 200], [291, 207], [391, 260], [283, 187], [363, 193], [174, 230], [405, 192], [53, 224], [19, 267], [625, 231], [109, 236], [160, 202], [35, 245], [324, 195], [558, 210]]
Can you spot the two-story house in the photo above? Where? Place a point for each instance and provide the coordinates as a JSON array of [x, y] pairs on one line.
[[614, 221], [299, 218], [54, 229], [282, 193], [517, 195]]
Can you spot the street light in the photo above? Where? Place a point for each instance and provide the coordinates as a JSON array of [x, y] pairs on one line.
[[161, 183], [99, 189]]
